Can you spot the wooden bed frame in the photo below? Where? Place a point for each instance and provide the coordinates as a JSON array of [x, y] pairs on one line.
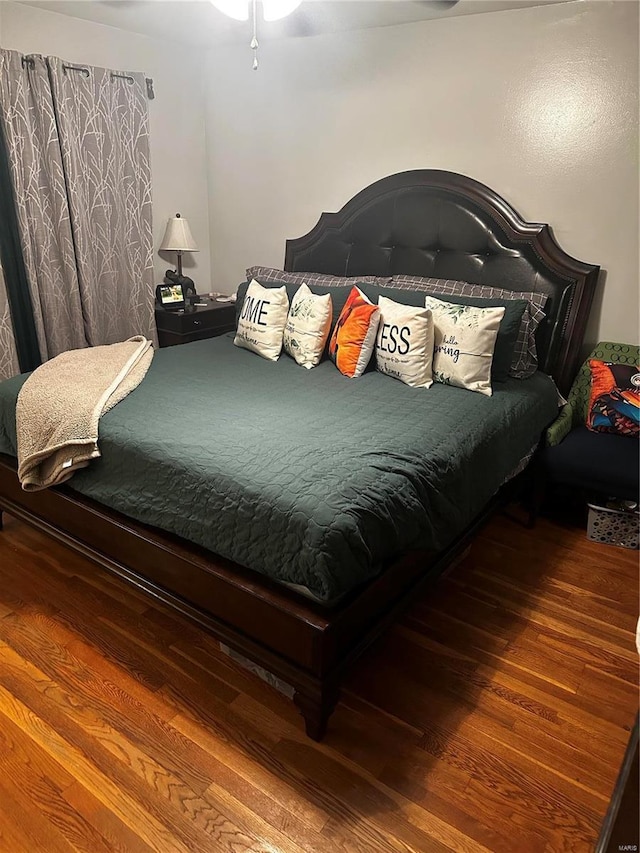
[[424, 222]]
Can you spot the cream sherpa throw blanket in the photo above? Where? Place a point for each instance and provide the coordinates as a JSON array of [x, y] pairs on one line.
[[60, 404]]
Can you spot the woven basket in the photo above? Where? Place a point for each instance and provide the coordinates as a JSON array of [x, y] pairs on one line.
[[613, 527]]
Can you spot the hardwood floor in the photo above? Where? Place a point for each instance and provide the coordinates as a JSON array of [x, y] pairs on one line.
[[494, 717]]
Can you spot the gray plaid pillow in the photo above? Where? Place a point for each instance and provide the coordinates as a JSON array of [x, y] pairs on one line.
[[525, 354], [269, 274]]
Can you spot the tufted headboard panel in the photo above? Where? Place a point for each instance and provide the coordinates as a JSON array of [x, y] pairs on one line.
[[444, 225]]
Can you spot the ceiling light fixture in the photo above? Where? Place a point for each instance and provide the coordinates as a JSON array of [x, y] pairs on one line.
[[272, 10]]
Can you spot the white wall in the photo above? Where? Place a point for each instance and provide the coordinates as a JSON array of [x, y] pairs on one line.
[[541, 104], [177, 127]]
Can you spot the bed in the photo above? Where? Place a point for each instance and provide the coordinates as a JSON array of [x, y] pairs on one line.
[[267, 457]]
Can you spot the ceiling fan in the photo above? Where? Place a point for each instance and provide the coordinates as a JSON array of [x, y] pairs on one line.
[[308, 18]]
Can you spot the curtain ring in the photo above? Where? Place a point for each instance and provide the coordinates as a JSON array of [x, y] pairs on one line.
[[126, 77], [84, 71]]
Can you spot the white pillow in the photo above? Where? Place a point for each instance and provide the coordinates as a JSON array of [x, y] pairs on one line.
[[262, 319], [404, 346], [307, 327], [464, 341]]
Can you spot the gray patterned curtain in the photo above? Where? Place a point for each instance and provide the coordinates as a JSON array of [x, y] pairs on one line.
[[78, 150], [8, 355], [104, 134], [26, 108]]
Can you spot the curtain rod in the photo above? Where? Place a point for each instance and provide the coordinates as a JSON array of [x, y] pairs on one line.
[[29, 61]]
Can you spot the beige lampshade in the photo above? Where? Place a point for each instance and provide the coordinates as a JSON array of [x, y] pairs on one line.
[[178, 236]]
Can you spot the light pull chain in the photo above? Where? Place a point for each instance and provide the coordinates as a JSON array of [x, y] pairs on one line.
[[254, 41]]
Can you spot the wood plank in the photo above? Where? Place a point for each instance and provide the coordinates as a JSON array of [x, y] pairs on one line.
[[246, 765], [419, 779], [118, 836], [23, 828], [33, 586], [503, 592], [18, 748]]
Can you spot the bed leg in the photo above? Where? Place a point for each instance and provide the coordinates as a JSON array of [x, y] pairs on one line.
[[316, 706]]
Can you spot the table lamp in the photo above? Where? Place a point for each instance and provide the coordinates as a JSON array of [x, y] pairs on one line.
[[178, 238]]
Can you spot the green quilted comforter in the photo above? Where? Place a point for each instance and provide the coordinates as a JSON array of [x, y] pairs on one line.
[[304, 475]]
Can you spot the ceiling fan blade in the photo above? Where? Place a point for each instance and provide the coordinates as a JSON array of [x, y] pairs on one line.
[[312, 18], [440, 5]]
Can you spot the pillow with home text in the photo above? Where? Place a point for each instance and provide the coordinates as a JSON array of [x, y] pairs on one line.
[[262, 320], [464, 341], [354, 335], [404, 346], [307, 327]]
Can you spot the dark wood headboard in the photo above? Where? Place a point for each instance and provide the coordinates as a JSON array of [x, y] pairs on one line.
[[439, 224]]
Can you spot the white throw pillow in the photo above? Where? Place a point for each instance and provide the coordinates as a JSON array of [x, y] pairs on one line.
[[307, 327], [464, 341], [404, 346], [262, 319]]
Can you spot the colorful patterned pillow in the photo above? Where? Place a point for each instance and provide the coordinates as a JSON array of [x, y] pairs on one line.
[[614, 404], [262, 319], [404, 347], [308, 325], [354, 335], [464, 341]]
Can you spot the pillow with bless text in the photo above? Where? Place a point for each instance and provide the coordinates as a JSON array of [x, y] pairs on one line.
[[464, 341], [307, 327], [354, 335], [404, 346], [262, 320]]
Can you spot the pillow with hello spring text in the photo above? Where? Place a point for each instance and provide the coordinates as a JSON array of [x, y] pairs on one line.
[[464, 342]]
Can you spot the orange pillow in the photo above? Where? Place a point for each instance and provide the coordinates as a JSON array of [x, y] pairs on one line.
[[354, 335]]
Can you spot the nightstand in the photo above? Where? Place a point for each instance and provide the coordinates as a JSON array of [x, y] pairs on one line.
[[195, 323]]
